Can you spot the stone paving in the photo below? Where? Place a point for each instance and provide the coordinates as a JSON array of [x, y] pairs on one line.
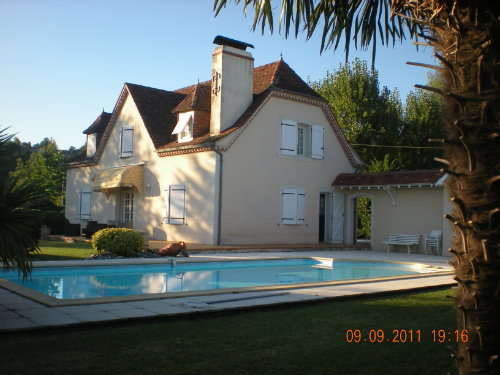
[[20, 313]]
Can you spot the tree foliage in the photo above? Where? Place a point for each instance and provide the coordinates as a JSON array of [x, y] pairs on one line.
[[375, 121], [45, 169]]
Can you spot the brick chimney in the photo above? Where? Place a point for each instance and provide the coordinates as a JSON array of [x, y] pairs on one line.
[[232, 83]]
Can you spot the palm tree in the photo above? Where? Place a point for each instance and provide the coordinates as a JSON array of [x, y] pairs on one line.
[[19, 222], [465, 35]]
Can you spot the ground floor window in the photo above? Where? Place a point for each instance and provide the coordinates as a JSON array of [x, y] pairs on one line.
[[127, 207]]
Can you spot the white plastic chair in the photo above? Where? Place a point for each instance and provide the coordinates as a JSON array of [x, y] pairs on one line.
[[433, 241]]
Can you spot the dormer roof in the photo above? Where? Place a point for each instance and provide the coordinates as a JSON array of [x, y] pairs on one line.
[[197, 99], [99, 124]]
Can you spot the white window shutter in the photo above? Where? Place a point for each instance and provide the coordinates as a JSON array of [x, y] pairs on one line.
[[85, 204], [317, 142], [127, 141], [300, 206], [175, 204], [289, 206], [288, 138]]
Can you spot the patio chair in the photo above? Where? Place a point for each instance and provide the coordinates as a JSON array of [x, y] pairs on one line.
[[433, 242]]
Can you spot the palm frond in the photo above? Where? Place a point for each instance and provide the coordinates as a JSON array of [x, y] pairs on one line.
[[358, 21]]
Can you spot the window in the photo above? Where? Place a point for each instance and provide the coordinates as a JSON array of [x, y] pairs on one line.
[[292, 206], [302, 140], [184, 127], [126, 141], [127, 207], [91, 144], [175, 204], [85, 204]]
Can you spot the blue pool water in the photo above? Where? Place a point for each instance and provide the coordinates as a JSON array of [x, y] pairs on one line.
[[118, 280]]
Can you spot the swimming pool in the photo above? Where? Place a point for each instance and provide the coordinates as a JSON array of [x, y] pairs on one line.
[[83, 282]]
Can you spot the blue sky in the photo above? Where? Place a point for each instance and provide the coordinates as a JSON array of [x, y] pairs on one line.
[[62, 62]]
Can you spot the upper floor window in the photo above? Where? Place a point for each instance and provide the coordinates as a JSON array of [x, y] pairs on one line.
[[302, 140], [127, 141], [184, 127], [91, 144]]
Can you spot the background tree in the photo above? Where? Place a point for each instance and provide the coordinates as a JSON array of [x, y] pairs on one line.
[[465, 35], [366, 114], [45, 169], [422, 120], [370, 116], [19, 221]]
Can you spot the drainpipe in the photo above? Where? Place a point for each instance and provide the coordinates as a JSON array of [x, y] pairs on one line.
[[219, 210]]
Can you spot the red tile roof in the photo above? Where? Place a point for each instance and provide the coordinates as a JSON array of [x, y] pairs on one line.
[[155, 107], [158, 108], [99, 124], [197, 99], [401, 178]]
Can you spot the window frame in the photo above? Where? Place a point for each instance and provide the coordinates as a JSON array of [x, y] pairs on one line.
[[126, 152], [87, 214], [292, 206], [172, 194]]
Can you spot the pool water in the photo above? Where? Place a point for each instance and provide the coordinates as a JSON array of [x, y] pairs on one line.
[[119, 280]]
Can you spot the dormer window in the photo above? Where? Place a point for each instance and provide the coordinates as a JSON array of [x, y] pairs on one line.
[[184, 127], [91, 144]]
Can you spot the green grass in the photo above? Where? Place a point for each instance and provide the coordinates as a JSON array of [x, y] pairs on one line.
[[59, 250], [299, 339]]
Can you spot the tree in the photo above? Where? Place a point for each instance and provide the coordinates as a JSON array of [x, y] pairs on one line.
[[465, 35], [366, 114], [19, 221], [45, 169], [421, 120]]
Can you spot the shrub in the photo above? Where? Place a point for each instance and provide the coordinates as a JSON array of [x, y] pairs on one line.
[[118, 241], [54, 220]]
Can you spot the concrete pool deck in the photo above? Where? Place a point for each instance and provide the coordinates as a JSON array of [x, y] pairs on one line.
[[18, 312]]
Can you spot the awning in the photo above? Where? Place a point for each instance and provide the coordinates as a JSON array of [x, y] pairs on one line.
[[113, 179]]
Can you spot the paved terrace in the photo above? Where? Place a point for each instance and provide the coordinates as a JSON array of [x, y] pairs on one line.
[[18, 312]]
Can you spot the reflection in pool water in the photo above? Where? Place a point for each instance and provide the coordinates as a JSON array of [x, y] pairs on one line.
[[119, 280]]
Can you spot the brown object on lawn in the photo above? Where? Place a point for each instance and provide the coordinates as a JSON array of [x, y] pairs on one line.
[[173, 249]]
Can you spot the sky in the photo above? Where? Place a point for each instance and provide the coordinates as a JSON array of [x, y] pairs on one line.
[[63, 62]]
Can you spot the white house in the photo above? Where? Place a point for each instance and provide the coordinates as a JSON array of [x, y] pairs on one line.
[[246, 158]]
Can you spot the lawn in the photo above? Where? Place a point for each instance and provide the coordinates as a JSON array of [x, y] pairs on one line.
[[298, 339], [59, 250]]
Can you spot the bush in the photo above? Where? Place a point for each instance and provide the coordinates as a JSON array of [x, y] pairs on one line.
[[118, 241], [55, 220]]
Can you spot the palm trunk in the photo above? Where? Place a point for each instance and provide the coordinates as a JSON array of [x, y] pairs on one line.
[[468, 46], [466, 39]]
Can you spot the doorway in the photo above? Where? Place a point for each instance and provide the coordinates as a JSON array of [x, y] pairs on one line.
[[362, 232], [325, 217]]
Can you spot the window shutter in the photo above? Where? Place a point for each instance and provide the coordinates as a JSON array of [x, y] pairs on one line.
[[175, 204], [289, 206], [288, 138], [85, 204], [300, 206], [317, 142], [127, 141]]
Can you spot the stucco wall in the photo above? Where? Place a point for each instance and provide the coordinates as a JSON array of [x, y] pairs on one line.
[[254, 173], [416, 211], [195, 171]]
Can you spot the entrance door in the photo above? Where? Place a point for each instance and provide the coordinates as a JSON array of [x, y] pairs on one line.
[[337, 218]]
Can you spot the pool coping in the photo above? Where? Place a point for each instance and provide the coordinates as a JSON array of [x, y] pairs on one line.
[[55, 302]]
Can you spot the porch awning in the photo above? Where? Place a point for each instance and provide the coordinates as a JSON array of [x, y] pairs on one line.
[[113, 179]]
